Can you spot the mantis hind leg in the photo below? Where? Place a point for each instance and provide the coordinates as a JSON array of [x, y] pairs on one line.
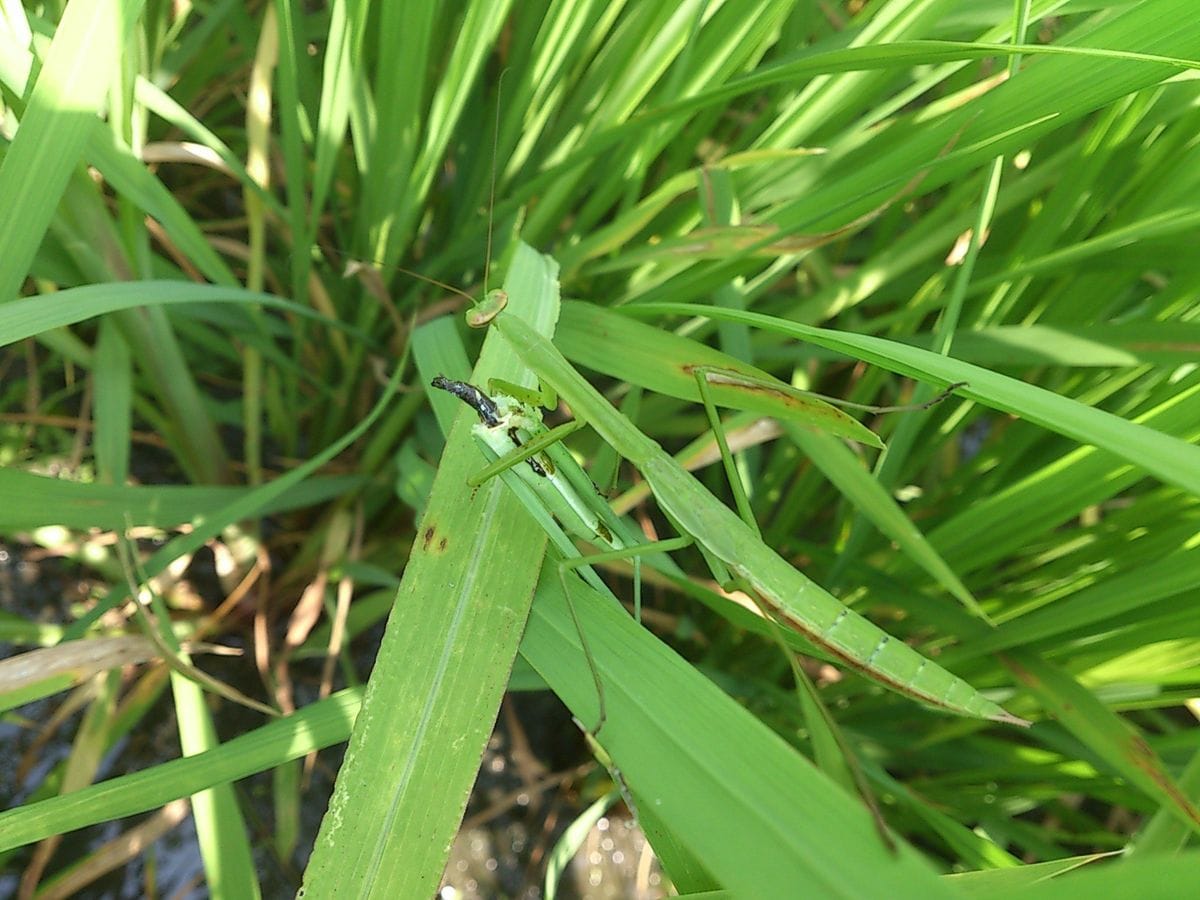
[[635, 553]]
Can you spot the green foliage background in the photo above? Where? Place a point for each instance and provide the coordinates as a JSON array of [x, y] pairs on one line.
[[182, 192]]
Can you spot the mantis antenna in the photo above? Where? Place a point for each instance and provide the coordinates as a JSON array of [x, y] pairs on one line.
[[482, 311], [493, 302]]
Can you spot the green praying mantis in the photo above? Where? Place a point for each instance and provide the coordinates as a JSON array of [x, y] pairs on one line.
[[511, 429]]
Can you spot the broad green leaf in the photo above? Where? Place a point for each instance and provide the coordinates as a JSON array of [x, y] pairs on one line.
[[444, 662], [1168, 458], [669, 730]]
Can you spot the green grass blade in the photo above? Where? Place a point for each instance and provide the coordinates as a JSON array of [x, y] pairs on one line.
[[608, 342], [670, 729], [1148, 878], [1170, 459], [220, 827], [34, 501], [33, 315], [1166, 832], [444, 661], [56, 126], [318, 725], [1101, 730]]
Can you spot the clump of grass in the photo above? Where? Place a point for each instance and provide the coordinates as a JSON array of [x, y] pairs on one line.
[[870, 202]]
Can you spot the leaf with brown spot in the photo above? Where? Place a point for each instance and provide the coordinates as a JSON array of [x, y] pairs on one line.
[[662, 361], [1105, 733]]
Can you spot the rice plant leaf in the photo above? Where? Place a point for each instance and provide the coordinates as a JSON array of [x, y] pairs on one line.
[[318, 725], [444, 661], [34, 501], [1102, 731], [55, 127], [670, 729], [1168, 458], [608, 342]]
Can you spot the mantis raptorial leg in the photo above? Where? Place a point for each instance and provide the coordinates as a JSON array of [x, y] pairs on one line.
[[635, 553]]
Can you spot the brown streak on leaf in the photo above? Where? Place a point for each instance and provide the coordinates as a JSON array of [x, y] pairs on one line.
[[1142, 756]]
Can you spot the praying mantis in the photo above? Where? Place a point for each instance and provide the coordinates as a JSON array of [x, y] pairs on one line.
[[511, 429]]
